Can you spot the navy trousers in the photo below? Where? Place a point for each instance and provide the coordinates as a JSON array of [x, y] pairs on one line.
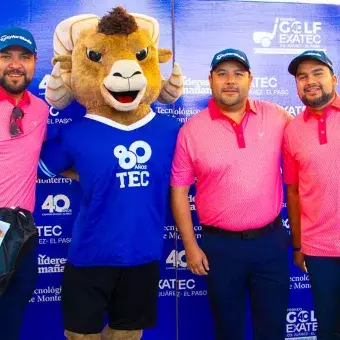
[[258, 268], [325, 280], [15, 299]]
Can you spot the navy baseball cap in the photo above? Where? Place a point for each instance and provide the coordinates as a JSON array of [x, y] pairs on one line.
[[309, 55], [16, 36], [230, 54]]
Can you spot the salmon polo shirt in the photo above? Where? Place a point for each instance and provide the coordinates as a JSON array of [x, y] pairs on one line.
[[311, 159], [19, 156], [236, 166]]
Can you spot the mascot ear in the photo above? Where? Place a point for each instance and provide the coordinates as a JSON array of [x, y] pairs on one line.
[[164, 55]]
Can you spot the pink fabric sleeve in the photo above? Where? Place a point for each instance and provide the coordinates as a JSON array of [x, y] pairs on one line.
[[290, 166], [182, 172]]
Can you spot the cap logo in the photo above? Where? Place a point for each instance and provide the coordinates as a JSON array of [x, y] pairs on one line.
[[313, 53], [229, 54], [7, 37]]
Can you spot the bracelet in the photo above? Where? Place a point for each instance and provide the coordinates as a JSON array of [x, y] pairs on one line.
[[297, 249]]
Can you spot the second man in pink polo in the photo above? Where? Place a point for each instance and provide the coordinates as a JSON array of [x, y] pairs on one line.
[[311, 172], [233, 148]]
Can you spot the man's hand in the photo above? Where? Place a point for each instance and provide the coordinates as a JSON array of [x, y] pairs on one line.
[[299, 260], [197, 260], [71, 173]]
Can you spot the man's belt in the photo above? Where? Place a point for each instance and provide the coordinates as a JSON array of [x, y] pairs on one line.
[[246, 234]]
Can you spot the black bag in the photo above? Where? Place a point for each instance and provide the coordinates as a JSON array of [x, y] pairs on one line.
[[21, 237]]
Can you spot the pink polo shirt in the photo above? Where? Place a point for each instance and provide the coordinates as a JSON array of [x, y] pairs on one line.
[[311, 153], [19, 156], [239, 183]]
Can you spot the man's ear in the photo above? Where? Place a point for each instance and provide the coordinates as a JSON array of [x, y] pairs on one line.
[[164, 55], [250, 80], [335, 80]]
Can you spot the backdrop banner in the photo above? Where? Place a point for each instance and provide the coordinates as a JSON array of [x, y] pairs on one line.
[[271, 34]]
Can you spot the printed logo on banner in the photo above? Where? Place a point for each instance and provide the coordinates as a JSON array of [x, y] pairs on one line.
[[183, 287], [135, 158], [50, 265], [180, 114], [43, 84], [266, 86], [55, 180], [176, 260], [56, 205], [196, 86], [300, 282], [285, 223], [48, 294], [300, 323], [55, 119], [52, 235], [288, 36], [294, 110], [192, 202], [260, 86], [170, 232]]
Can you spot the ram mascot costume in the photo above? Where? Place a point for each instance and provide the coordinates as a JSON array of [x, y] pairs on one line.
[[122, 152]]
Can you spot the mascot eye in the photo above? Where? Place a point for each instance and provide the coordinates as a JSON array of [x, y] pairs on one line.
[[142, 54], [94, 56]]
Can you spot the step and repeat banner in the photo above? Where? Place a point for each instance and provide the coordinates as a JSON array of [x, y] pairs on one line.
[[271, 34]]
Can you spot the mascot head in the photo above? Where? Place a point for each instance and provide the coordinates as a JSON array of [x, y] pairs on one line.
[[110, 65]]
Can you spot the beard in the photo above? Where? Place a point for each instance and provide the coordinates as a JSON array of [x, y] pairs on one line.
[[230, 101], [323, 100], [14, 87]]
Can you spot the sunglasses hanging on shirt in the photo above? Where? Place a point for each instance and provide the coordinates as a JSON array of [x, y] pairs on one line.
[[15, 126]]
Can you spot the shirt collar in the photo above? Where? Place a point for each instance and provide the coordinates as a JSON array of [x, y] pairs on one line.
[[334, 104], [6, 96], [216, 113]]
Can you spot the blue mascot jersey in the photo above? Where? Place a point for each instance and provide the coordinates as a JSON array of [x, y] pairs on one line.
[[124, 175]]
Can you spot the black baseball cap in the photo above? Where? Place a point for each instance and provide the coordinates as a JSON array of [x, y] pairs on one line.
[[230, 54], [309, 55]]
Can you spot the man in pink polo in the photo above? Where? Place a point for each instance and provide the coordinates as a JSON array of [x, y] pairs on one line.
[[23, 119], [233, 149], [312, 173]]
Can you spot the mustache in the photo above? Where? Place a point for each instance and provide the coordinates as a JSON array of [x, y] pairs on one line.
[[312, 87], [230, 88], [15, 72]]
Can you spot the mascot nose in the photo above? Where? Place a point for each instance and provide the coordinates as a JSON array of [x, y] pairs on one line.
[[117, 74]]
